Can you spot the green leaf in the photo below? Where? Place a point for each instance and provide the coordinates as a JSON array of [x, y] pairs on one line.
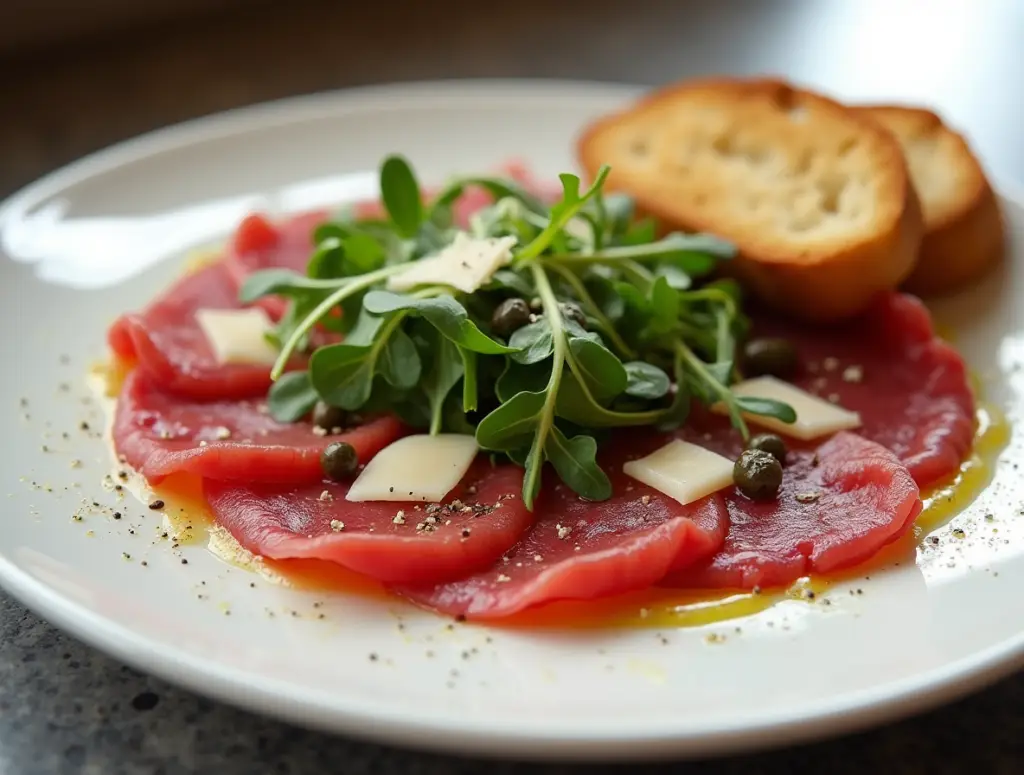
[[362, 253], [291, 397], [707, 244], [619, 211], [721, 371], [399, 362], [517, 379], [766, 407], [401, 195], [455, 420], [365, 328], [664, 306], [510, 280], [575, 462], [534, 465], [729, 287], [598, 367], [281, 282], [646, 381], [608, 300], [498, 188], [328, 231], [563, 212], [327, 259], [678, 412], [634, 302], [640, 233], [573, 404], [674, 276], [512, 424], [444, 313], [532, 342], [446, 369], [343, 374], [470, 396]]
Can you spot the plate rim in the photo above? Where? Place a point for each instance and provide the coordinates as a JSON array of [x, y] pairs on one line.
[[849, 712]]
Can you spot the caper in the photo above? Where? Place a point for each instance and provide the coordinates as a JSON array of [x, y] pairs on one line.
[[328, 417], [770, 443], [769, 357], [757, 474], [339, 460], [572, 311], [509, 317]]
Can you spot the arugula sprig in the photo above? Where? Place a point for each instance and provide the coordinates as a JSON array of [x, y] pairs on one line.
[[625, 331]]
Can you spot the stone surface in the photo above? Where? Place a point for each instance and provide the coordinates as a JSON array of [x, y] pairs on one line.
[[65, 708]]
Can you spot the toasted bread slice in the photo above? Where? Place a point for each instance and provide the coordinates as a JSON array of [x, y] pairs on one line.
[[816, 197], [964, 234]]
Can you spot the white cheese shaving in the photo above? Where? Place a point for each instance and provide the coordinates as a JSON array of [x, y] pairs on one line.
[[683, 471], [814, 417], [418, 468], [237, 335], [466, 264]]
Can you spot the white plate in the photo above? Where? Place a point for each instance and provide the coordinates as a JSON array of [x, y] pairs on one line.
[[103, 235]]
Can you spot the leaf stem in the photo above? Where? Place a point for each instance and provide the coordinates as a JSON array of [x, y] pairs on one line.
[[595, 311], [650, 250], [552, 313], [700, 369], [357, 284]]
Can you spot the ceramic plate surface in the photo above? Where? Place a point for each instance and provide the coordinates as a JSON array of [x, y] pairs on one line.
[[104, 235]]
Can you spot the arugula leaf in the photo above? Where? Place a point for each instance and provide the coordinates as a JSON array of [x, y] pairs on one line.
[[327, 259], [282, 282], [509, 280], [533, 343], [399, 362], [444, 313], [664, 307], [401, 195], [343, 374], [598, 367], [721, 371], [575, 462], [577, 405], [640, 233], [444, 373], [563, 212], [497, 187], [365, 328], [292, 397], [470, 395], [645, 380], [512, 423], [674, 276], [362, 253], [605, 296], [518, 379], [619, 211], [767, 407]]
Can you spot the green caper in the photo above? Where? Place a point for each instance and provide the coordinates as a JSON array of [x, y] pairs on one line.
[[572, 311], [509, 317], [769, 357], [757, 474], [328, 417], [339, 460], [770, 443]]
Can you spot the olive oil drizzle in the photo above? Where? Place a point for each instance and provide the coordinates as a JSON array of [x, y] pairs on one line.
[[189, 521]]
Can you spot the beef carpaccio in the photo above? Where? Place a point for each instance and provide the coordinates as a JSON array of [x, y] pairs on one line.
[[480, 551]]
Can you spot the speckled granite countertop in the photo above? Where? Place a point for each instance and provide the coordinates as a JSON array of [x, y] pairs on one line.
[[65, 708]]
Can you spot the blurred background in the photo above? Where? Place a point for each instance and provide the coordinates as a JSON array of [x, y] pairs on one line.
[[79, 75], [76, 76]]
